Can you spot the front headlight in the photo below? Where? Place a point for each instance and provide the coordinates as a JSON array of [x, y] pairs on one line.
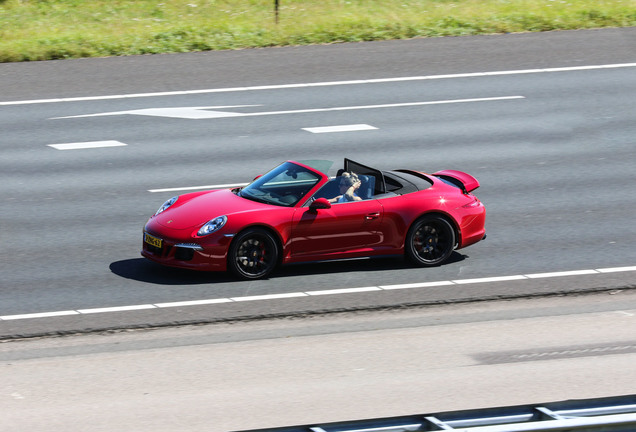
[[167, 204], [214, 225]]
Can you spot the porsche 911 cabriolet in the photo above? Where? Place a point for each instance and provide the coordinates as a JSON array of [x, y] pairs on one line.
[[297, 212]]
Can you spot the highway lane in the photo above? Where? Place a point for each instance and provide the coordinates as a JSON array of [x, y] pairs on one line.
[[434, 56], [72, 228], [321, 369]]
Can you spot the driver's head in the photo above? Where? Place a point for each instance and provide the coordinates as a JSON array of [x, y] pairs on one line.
[[347, 180]]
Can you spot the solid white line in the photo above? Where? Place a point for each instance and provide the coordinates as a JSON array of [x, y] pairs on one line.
[[116, 309], [86, 145], [321, 84], [343, 291], [268, 297], [417, 285], [211, 115], [490, 279], [219, 186], [317, 293], [560, 274], [616, 269], [193, 303], [395, 105], [343, 128], [38, 315]]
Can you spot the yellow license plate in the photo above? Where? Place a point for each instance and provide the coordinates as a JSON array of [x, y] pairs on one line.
[[152, 241]]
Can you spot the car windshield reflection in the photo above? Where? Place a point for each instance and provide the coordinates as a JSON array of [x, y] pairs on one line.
[[285, 185]]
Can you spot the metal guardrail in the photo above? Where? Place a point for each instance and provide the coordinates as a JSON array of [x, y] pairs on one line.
[[590, 415]]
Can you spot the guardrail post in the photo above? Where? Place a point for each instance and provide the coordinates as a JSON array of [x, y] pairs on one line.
[[276, 11]]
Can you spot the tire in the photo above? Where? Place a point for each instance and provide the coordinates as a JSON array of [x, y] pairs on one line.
[[430, 241], [253, 254]]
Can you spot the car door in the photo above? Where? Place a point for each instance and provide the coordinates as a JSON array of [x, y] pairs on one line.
[[343, 228]]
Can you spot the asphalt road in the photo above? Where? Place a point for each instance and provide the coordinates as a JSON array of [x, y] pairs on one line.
[[551, 141], [228, 377]]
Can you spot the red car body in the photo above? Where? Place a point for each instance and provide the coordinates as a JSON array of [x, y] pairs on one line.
[[285, 217]]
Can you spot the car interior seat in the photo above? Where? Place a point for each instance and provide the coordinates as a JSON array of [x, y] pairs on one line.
[[367, 186]]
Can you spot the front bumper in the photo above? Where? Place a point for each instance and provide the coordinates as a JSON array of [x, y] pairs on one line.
[[208, 256]]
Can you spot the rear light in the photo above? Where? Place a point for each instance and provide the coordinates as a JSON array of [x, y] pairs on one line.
[[473, 204]]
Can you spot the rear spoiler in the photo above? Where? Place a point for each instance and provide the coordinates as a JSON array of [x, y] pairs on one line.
[[465, 182]]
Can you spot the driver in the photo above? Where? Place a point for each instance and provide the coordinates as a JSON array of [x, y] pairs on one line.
[[349, 184]]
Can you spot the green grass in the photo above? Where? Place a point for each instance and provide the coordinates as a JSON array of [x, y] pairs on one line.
[[57, 29]]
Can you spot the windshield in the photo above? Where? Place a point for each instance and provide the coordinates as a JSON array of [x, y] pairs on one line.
[[285, 185]]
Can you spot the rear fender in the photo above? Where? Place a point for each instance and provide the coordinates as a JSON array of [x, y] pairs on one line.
[[464, 181]]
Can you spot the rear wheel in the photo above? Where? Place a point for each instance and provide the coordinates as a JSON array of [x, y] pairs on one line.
[[253, 254], [430, 241]]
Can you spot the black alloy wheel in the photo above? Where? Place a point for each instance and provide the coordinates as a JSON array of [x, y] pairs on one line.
[[253, 254], [430, 241]]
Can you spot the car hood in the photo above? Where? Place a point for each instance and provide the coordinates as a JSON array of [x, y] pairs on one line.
[[196, 209]]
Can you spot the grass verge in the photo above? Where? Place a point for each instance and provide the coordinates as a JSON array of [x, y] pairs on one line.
[[59, 29]]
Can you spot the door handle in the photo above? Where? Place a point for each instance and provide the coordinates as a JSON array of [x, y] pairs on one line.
[[372, 216]]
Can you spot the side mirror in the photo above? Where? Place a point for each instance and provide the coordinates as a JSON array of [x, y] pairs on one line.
[[320, 203]]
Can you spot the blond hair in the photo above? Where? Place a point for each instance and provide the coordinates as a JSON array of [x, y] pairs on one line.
[[350, 178]]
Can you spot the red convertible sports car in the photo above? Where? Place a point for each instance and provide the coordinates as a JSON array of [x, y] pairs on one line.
[[297, 212]]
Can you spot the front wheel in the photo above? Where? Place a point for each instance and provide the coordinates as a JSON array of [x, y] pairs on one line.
[[430, 241], [253, 254]]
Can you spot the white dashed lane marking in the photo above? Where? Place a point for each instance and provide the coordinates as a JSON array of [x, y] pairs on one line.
[[342, 128], [87, 145], [336, 291]]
